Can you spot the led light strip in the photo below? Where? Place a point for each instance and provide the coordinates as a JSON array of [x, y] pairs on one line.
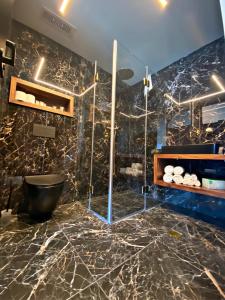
[[215, 78], [142, 109], [36, 78], [135, 117]]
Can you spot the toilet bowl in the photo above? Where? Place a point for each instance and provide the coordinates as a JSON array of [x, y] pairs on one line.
[[42, 193]]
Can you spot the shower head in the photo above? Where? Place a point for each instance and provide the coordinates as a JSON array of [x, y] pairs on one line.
[[125, 74]]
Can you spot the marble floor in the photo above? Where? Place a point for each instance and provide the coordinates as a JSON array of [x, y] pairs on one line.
[[157, 255], [124, 203]]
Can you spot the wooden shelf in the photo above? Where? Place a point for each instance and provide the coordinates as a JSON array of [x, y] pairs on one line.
[[43, 94], [190, 156], [159, 163], [193, 189]]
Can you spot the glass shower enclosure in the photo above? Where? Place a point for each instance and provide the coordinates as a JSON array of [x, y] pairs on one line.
[[118, 172]]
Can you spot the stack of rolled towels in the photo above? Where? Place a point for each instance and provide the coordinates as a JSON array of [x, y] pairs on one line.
[[22, 96], [178, 176], [135, 170]]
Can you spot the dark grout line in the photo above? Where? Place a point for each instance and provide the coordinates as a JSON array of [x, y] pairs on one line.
[[121, 264]]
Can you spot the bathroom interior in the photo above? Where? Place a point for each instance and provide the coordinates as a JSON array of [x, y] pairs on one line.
[[112, 149]]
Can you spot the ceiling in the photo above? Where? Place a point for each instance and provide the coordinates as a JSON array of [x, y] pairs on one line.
[[156, 36]]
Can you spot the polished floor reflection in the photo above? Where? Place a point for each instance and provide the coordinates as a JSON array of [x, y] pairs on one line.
[[123, 204], [155, 255]]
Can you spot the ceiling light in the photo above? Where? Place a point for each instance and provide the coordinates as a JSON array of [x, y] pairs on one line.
[[163, 3], [63, 6]]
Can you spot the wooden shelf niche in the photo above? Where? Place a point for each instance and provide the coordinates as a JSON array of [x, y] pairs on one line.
[[53, 100], [161, 160]]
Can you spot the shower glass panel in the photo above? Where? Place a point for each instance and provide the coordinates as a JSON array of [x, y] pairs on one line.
[[100, 120], [129, 136]]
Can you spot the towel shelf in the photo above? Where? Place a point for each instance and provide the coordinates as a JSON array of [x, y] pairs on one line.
[[160, 160], [51, 98]]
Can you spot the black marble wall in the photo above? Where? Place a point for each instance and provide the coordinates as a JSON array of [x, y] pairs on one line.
[[69, 153], [179, 125], [191, 77]]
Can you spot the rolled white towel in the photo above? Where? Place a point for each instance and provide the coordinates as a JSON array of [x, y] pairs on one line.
[[178, 170], [140, 172], [187, 176], [169, 169], [134, 172], [191, 182], [198, 183], [123, 170], [129, 171], [30, 98], [137, 166], [194, 177], [185, 181], [178, 179], [188, 181], [20, 96], [168, 178]]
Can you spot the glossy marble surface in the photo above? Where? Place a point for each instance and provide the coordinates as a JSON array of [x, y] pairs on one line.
[[155, 255], [69, 153], [188, 78]]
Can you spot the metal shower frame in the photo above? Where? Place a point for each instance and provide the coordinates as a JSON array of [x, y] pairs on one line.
[[148, 87]]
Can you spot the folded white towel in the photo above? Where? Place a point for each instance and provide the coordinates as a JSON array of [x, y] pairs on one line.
[[178, 170], [178, 179], [168, 178], [169, 169]]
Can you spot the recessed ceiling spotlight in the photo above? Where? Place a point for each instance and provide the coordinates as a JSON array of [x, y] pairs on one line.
[[163, 3], [64, 6]]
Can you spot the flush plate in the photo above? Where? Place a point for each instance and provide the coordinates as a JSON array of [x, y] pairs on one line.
[[43, 131]]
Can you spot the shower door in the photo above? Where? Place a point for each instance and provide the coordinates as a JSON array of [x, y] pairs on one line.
[[129, 153], [118, 116], [100, 120]]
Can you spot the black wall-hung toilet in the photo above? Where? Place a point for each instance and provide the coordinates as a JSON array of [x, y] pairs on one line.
[[42, 193]]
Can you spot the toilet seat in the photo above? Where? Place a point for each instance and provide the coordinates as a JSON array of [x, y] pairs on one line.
[[42, 193], [45, 180]]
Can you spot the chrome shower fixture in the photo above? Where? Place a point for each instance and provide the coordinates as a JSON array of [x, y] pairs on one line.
[[125, 74]]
